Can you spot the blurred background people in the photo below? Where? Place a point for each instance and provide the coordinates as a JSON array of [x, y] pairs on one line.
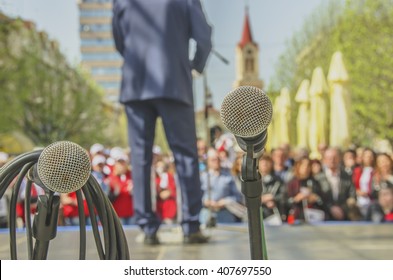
[[70, 212], [98, 165], [96, 149], [338, 188], [316, 168], [279, 165], [362, 178], [221, 198], [3, 158], [225, 161], [383, 173], [237, 172], [273, 190], [359, 155], [303, 192], [382, 209], [35, 191], [223, 141], [121, 189], [202, 154], [349, 161], [4, 200], [166, 193]]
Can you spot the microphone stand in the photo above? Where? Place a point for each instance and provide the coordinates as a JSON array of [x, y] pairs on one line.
[[251, 184], [45, 224], [207, 100]]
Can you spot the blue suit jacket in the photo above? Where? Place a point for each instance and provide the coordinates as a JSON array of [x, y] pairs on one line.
[[153, 38]]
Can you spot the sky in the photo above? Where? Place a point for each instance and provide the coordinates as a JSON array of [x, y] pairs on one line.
[[273, 23]]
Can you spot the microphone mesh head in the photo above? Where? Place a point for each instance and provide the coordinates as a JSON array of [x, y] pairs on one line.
[[64, 167], [246, 111]]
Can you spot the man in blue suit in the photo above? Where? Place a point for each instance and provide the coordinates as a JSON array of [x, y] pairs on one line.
[[153, 38]]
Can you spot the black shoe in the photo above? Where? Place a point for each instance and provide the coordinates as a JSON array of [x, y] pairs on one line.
[[211, 223], [195, 238], [151, 240]]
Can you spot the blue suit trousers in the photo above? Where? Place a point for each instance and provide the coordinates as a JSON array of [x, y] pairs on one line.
[[179, 124]]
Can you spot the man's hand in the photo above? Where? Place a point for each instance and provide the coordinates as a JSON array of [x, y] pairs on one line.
[[266, 198], [299, 197], [312, 198], [270, 204], [337, 212], [195, 74]]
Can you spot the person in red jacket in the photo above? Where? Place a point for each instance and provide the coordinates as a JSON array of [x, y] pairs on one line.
[[166, 193], [362, 179], [69, 206], [20, 205], [121, 185]]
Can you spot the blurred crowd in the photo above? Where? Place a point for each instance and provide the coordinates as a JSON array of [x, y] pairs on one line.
[[342, 185]]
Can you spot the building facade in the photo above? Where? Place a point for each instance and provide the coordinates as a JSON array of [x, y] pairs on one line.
[[247, 58], [99, 55]]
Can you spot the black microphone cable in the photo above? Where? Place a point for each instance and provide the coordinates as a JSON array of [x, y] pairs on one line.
[[14, 200], [82, 225], [108, 215], [29, 235]]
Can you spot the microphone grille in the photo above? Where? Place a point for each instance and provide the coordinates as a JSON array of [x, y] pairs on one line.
[[246, 111], [64, 167]]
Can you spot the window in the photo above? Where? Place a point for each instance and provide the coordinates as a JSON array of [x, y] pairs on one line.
[[96, 13], [110, 85], [105, 71], [96, 1], [249, 64], [95, 27], [101, 56], [97, 42]]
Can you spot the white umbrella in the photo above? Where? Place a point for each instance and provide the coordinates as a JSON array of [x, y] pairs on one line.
[[284, 116], [303, 116], [318, 132], [273, 128], [339, 102], [270, 135]]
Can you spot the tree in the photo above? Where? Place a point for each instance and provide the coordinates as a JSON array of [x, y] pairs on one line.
[[43, 96], [361, 30]]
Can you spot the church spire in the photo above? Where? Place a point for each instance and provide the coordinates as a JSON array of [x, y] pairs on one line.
[[246, 35], [247, 57]]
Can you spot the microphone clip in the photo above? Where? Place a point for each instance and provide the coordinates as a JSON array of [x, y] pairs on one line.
[[45, 220], [250, 165], [253, 146]]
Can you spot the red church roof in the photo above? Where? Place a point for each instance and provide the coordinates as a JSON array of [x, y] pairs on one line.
[[246, 36]]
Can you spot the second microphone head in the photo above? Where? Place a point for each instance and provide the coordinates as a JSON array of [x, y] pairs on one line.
[[246, 111]]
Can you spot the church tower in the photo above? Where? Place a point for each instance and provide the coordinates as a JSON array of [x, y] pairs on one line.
[[247, 58]]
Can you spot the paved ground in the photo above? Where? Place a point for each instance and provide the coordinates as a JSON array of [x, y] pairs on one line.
[[356, 241]]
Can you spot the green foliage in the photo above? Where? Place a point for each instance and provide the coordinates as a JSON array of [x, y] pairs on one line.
[[41, 95], [362, 31]]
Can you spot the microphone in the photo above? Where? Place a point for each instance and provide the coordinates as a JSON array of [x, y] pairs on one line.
[[62, 167], [247, 112]]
